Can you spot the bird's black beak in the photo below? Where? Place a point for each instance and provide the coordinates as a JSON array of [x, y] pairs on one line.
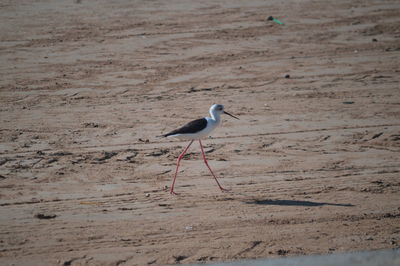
[[231, 115]]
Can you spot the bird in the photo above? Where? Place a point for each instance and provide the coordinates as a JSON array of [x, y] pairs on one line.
[[196, 130]]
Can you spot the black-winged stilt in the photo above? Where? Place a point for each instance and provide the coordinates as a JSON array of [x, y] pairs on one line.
[[196, 130]]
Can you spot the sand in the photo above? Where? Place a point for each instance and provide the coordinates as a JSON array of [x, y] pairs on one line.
[[87, 86]]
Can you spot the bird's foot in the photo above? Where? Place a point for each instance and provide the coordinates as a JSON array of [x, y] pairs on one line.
[[225, 189], [173, 193]]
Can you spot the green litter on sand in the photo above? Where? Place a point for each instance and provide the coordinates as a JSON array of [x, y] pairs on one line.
[[275, 20]]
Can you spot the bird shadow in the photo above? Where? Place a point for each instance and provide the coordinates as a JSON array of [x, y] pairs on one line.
[[296, 203]]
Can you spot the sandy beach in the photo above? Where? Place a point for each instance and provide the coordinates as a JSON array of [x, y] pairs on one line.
[[87, 86]]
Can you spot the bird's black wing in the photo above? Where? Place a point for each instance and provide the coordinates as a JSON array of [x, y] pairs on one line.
[[190, 128]]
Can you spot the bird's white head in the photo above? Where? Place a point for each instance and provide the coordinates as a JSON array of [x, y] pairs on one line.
[[217, 109]]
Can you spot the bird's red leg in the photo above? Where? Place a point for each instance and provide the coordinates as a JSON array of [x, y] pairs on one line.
[[205, 161], [177, 167]]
